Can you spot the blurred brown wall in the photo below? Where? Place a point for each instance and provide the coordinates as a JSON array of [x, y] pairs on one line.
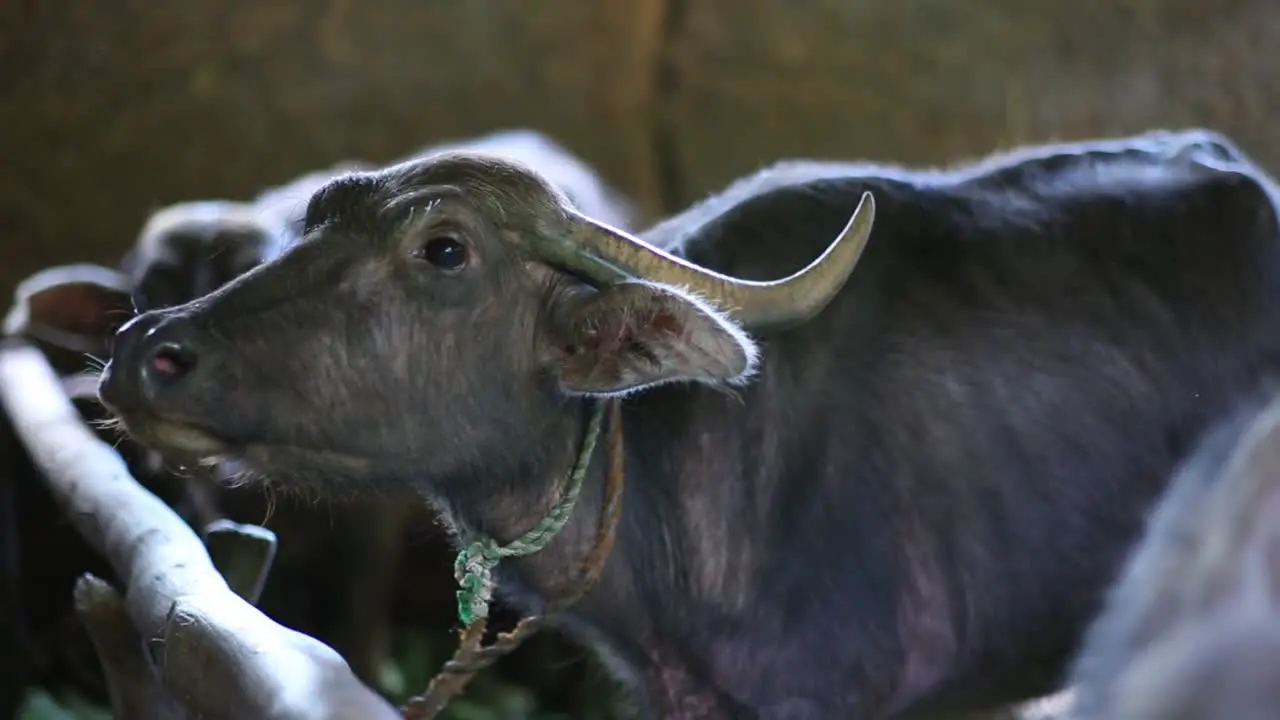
[[111, 107]]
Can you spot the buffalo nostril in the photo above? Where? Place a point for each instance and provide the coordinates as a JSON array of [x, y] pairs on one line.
[[169, 362]]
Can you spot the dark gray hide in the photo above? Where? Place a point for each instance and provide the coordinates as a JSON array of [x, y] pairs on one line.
[[913, 506]]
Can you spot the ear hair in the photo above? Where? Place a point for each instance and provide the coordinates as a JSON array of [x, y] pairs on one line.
[[636, 335]]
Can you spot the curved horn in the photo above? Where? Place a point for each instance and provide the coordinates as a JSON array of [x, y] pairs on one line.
[[604, 254]]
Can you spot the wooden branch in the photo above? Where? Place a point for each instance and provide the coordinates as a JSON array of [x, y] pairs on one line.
[[217, 655], [132, 684]]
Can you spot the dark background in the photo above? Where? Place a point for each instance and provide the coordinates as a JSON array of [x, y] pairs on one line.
[[111, 108]]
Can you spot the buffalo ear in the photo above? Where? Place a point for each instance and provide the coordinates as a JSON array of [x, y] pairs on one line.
[[74, 307], [635, 335]]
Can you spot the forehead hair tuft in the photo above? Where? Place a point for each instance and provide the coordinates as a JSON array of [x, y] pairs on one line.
[[508, 190], [339, 196], [508, 193]]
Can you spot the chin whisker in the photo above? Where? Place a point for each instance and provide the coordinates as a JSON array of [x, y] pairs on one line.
[[109, 424], [269, 492]]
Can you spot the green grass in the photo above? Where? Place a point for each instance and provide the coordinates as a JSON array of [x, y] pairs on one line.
[[40, 705]]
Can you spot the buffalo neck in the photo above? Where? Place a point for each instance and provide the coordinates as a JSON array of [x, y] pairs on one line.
[[692, 539], [509, 497]]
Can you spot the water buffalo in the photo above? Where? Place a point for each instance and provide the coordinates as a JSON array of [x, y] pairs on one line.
[[1192, 629], [895, 491], [337, 564]]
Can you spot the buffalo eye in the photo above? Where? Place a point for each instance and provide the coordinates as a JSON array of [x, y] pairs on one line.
[[443, 251]]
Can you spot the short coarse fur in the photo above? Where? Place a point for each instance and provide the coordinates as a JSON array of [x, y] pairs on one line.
[[915, 504]]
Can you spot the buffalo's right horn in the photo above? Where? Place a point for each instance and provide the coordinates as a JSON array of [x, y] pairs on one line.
[[604, 255]]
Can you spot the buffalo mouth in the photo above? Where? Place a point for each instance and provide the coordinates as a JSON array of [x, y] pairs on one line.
[[186, 444], [177, 439]]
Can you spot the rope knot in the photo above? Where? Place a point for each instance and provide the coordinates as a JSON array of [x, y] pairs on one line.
[[474, 572], [478, 558], [474, 567]]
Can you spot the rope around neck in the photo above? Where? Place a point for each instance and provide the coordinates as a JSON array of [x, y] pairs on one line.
[[472, 656], [474, 566]]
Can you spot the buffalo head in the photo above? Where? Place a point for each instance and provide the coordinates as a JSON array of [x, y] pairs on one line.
[[436, 313]]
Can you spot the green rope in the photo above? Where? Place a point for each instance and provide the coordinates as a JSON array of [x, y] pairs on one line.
[[477, 560]]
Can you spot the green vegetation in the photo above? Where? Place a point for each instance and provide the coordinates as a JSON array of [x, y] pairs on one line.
[[417, 654]]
